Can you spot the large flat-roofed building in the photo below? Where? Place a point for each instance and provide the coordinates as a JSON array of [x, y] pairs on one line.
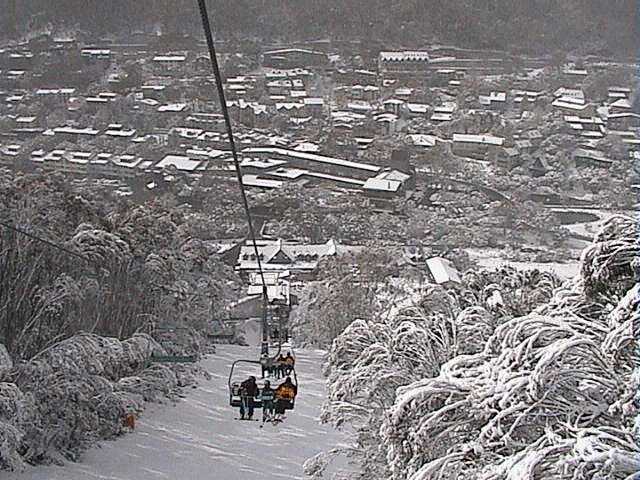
[[476, 146], [315, 162]]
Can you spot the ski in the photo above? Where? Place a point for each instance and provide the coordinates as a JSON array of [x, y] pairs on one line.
[[246, 419]]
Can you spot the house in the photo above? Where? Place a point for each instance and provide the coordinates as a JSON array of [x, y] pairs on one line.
[[262, 183], [507, 158], [626, 120], [314, 106], [622, 105], [387, 185], [534, 136], [418, 110], [575, 76], [444, 112], [494, 101], [168, 63], [538, 166], [421, 142], [393, 105], [180, 162], [591, 158], [572, 105], [387, 123], [96, 55], [442, 272], [570, 93], [587, 127], [475, 146], [381, 188], [73, 134]]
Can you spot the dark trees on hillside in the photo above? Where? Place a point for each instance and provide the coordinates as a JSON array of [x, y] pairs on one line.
[[521, 25]]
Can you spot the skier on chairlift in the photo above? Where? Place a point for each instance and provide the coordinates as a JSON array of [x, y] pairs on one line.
[[268, 365], [285, 394], [267, 396], [289, 364], [281, 366], [248, 391]]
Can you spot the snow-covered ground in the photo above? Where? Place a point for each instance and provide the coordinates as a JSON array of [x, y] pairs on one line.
[[198, 438], [491, 259]]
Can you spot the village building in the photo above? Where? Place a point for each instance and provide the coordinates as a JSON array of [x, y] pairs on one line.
[[538, 166], [475, 146], [316, 162], [591, 158], [301, 261], [290, 58], [168, 63], [403, 61]]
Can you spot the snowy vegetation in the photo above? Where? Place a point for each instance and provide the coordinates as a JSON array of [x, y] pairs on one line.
[[81, 316], [512, 376], [77, 392], [124, 267]]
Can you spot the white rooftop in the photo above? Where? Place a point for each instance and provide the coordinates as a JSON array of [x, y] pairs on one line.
[[442, 270], [484, 139], [179, 162]]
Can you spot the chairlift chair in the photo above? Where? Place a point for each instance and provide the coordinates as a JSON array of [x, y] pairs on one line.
[[234, 384]]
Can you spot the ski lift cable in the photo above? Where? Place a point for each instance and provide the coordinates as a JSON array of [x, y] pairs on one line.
[[227, 119], [76, 254], [43, 240]]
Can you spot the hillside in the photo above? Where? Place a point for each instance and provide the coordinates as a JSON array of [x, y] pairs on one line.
[[533, 26]]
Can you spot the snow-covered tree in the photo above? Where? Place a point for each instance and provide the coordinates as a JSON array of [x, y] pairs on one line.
[[511, 376]]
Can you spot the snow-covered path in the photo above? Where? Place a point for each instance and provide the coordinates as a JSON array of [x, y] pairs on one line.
[[198, 438]]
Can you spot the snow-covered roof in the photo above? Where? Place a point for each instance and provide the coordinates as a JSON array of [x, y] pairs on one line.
[[255, 181], [311, 157], [282, 256], [441, 117], [567, 103], [75, 131], [416, 56], [621, 103], [417, 107], [482, 139], [180, 162], [308, 147], [570, 93], [172, 107], [442, 270], [169, 58], [381, 185], [313, 101], [421, 140]]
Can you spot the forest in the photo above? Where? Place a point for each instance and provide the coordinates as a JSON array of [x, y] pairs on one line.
[[532, 26]]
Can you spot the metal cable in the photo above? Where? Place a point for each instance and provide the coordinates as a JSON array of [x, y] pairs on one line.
[[225, 112]]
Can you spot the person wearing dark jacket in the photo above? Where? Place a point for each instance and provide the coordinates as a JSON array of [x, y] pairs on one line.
[[289, 364], [248, 391], [267, 396], [281, 365]]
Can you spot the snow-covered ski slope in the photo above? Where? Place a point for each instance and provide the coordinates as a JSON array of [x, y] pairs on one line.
[[198, 438]]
